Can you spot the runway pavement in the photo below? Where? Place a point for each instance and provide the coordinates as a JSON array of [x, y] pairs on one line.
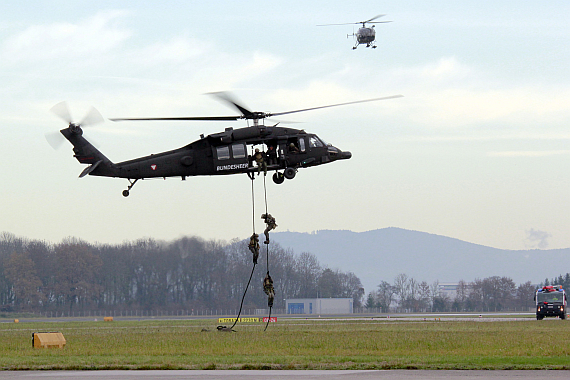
[[284, 375]]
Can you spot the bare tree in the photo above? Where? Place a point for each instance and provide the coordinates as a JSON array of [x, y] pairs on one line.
[[309, 270], [402, 288], [385, 296], [27, 286], [525, 294]]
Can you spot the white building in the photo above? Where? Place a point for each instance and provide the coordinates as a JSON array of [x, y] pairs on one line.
[[319, 306], [448, 289]]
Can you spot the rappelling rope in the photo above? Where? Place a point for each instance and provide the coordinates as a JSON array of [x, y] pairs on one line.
[[242, 298], [252, 269], [253, 205], [265, 192], [267, 249]]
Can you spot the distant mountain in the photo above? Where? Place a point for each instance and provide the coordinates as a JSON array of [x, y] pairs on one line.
[[380, 255]]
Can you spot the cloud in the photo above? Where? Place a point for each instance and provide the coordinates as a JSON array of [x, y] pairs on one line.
[[450, 94], [544, 153], [66, 41], [537, 238]]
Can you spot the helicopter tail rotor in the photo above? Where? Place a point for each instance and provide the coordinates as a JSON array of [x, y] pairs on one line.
[[92, 117], [62, 110], [55, 139]]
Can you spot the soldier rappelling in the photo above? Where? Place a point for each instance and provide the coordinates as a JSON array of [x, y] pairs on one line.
[[254, 246], [268, 289], [270, 222]]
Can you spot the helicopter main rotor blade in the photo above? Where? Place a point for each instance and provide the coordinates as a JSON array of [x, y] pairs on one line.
[[335, 105], [373, 18], [227, 97], [222, 95], [360, 22], [246, 113], [62, 110], [211, 118], [346, 23]]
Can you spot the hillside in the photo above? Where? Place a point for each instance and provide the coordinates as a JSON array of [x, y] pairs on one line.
[[380, 255]]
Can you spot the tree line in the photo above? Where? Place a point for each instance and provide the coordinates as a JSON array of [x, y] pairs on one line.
[[489, 294], [560, 280], [187, 273], [193, 273]]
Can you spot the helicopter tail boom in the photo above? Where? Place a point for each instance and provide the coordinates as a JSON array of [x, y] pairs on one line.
[[86, 153]]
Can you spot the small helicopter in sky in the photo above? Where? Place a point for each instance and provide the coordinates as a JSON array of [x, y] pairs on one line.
[[220, 153], [364, 35]]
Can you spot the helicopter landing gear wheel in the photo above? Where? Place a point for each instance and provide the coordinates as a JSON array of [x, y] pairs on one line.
[[289, 173], [278, 178], [132, 183]]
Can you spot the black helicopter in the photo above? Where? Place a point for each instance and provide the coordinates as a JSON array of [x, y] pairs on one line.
[[364, 35], [216, 154]]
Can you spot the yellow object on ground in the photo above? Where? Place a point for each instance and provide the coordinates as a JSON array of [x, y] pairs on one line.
[[232, 320], [48, 339]]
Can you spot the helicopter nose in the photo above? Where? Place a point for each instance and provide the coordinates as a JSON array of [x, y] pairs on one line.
[[345, 155]]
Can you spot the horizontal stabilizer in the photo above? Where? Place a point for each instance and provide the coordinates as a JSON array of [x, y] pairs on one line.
[[89, 169]]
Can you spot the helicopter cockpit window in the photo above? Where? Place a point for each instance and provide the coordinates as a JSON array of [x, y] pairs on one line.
[[314, 142], [302, 144], [223, 152], [238, 150]]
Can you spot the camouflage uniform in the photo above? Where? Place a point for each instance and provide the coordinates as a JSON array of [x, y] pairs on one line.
[[268, 289], [270, 221], [260, 160], [254, 246]]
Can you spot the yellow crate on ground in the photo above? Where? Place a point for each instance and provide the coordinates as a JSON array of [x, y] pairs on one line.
[[48, 339]]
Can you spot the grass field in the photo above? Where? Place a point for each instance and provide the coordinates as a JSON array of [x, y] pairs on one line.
[[292, 344]]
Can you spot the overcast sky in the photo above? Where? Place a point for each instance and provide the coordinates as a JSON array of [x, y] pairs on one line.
[[477, 149]]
